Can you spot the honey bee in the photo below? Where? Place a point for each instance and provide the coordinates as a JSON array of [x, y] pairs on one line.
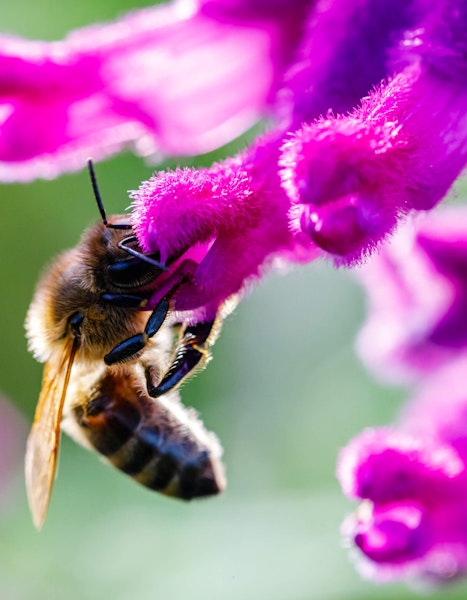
[[111, 372]]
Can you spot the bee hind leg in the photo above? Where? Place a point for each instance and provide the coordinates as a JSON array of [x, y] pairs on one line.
[[192, 353]]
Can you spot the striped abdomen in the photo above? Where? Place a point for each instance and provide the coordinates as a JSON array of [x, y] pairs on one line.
[[157, 441]]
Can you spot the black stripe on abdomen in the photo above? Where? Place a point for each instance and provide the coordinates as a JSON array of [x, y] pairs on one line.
[[154, 441], [106, 425]]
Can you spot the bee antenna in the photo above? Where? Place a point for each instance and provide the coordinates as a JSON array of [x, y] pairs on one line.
[[98, 198], [97, 194]]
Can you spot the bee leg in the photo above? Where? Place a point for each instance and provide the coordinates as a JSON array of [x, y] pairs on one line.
[[132, 346], [192, 353], [125, 300]]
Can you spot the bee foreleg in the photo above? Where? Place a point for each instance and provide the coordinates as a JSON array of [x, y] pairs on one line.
[[132, 346], [192, 353], [125, 300]]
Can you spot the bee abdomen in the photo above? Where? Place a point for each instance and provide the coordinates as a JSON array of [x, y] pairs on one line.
[[158, 442]]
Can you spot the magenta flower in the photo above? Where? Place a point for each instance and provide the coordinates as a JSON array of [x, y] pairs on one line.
[[350, 178], [227, 224], [413, 482], [339, 184], [417, 290], [182, 78], [336, 186]]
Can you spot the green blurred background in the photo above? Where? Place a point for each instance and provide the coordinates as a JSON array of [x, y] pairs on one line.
[[284, 393]]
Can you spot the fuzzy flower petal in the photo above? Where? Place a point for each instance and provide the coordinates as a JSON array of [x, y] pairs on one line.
[[230, 222], [417, 291], [183, 78], [238, 212], [350, 178]]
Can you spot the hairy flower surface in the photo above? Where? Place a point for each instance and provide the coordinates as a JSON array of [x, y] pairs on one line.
[[228, 221], [339, 184], [417, 291], [350, 178]]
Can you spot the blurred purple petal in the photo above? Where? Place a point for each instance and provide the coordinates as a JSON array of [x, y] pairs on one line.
[[417, 293], [387, 465], [439, 407], [170, 78], [412, 522]]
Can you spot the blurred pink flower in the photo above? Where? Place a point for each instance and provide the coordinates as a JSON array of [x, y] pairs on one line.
[[412, 522], [413, 481], [181, 78], [417, 294], [13, 430]]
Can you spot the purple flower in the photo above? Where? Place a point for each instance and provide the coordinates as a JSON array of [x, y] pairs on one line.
[[417, 290], [413, 483], [336, 186], [350, 178], [340, 183], [183, 78], [227, 224], [412, 522]]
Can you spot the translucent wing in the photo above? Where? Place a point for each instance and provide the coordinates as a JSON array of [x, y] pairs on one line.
[[44, 439]]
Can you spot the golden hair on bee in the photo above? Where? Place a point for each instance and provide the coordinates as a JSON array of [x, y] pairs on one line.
[[113, 362]]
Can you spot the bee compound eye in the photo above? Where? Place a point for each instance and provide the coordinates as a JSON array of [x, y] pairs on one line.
[[75, 322], [131, 273]]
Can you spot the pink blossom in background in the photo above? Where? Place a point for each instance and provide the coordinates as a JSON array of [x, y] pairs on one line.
[[181, 78], [417, 298], [13, 430], [413, 479], [412, 521], [413, 483], [438, 408]]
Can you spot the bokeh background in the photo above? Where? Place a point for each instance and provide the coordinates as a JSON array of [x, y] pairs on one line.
[[284, 393]]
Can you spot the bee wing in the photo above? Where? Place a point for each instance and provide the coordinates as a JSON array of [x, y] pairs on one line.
[[44, 439]]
